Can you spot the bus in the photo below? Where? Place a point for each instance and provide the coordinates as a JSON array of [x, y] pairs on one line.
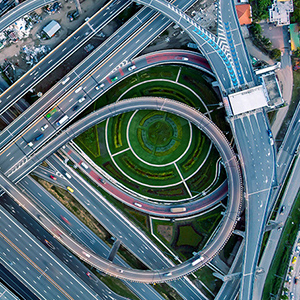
[[51, 113], [62, 120], [178, 209]]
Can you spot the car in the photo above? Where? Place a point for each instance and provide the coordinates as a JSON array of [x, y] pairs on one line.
[[270, 133], [49, 244], [295, 280], [44, 127], [52, 177], [102, 180], [297, 250], [86, 254], [114, 79], [132, 68], [282, 209], [289, 279], [279, 228], [185, 58], [68, 175], [292, 296], [121, 271], [99, 86], [75, 107], [138, 204], [30, 144], [88, 48], [65, 220], [70, 189], [294, 259], [81, 99], [78, 89], [88, 274], [73, 15]]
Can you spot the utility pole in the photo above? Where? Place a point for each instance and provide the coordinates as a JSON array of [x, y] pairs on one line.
[[79, 9]]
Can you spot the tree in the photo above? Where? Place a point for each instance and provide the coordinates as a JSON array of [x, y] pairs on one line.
[[275, 54], [255, 28]]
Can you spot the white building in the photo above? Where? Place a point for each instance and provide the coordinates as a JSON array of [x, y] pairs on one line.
[[51, 28], [279, 13]]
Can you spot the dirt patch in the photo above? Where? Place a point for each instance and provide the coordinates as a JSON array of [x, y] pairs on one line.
[[166, 232]]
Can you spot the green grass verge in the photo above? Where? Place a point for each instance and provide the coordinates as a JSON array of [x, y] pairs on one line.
[[280, 263]]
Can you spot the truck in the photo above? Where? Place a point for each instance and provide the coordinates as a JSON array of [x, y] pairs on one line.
[[62, 120], [178, 209]]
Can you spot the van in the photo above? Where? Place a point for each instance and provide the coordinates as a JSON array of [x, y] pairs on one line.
[[84, 165], [68, 175], [78, 89]]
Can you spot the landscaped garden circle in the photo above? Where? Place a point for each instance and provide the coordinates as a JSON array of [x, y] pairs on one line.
[[159, 133], [157, 137]]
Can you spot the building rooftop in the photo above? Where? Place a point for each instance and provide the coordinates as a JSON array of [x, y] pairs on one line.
[[248, 100], [244, 13], [280, 10]]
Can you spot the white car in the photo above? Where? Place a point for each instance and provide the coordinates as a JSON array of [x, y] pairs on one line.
[[132, 68], [99, 86], [44, 127], [81, 99], [185, 58]]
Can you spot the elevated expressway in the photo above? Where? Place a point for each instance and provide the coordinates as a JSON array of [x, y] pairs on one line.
[[220, 51], [201, 122]]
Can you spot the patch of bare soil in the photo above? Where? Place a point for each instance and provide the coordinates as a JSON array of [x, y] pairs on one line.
[[166, 231]]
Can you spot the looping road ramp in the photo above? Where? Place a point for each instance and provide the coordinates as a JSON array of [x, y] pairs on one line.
[[231, 214]]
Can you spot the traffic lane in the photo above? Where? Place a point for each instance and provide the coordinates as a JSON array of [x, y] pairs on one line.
[[82, 233], [231, 17], [163, 210], [256, 152], [57, 56], [42, 269], [17, 288], [59, 251]]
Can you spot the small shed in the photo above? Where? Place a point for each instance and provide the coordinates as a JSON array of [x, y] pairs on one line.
[[51, 28]]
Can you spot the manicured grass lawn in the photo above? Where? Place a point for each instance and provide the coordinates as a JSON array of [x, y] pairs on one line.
[[280, 261]]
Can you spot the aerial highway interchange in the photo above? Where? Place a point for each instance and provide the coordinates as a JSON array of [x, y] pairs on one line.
[[20, 156]]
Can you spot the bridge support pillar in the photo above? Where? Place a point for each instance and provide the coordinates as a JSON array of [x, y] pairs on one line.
[[272, 225], [114, 250], [240, 233], [78, 6], [227, 277]]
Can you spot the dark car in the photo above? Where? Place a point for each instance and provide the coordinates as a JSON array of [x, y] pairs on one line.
[[282, 209], [75, 107]]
